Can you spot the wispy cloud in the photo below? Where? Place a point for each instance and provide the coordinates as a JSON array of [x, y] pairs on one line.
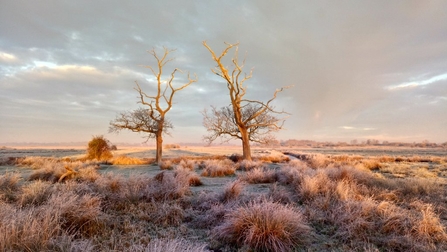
[[414, 84], [7, 57]]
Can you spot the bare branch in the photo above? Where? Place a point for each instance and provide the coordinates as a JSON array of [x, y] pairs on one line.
[[221, 124], [138, 120], [152, 120], [248, 120]]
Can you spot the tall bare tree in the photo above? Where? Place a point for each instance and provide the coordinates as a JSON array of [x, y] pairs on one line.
[[248, 120], [152, 120]]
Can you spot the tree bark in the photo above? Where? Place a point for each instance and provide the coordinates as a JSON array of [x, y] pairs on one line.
[[246, 152], [159, 140]]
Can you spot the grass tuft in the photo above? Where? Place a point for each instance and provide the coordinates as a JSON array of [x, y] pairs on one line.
[[247, 165], [217, 168], [232, 190], [35, 193], [264, 226], [9, 185], [260, 175]]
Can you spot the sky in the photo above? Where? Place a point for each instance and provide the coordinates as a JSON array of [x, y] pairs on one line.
[[359, 69]]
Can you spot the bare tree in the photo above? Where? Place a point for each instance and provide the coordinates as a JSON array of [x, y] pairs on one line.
[[248, 120], [152, 120], [140, 121]]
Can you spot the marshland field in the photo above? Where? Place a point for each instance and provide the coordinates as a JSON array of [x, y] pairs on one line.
[[208, 199]]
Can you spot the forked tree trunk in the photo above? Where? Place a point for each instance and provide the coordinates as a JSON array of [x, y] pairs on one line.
[[246, 152]]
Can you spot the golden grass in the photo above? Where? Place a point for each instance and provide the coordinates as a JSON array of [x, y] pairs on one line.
[[125, 160], [273, 158]]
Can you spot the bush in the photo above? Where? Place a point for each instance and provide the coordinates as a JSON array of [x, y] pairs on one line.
[[99, 148]]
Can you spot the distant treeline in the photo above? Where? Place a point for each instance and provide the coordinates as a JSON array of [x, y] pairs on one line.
[[369, 142]]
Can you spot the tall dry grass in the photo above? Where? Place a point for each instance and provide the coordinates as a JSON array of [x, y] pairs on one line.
[[29, 229], [9, 185], [340, 203], [35, 193], [36, 220]]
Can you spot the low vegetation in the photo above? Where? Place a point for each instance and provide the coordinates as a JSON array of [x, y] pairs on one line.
[[313, 202], [99, 148]]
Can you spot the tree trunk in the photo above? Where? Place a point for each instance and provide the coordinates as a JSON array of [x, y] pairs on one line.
[[159, 140], [246, 152]]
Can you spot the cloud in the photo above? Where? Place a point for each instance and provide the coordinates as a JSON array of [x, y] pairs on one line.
[[6, 57], [421, 82], [367, 65]]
